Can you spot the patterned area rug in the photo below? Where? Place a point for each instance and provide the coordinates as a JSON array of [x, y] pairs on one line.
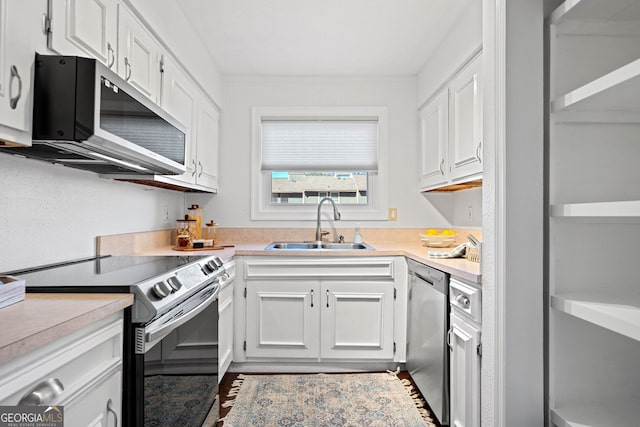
[[178, 400], [314, 400]]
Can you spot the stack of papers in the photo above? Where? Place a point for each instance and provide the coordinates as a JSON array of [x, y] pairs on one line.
[[11, 290]]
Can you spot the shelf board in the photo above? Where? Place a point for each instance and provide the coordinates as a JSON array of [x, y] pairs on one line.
[[617, 91], [589, 10], [623, 209], [619, 413], [619, 313]]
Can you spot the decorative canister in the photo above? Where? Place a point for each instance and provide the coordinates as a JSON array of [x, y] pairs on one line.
[[210, 232], [195, 213], [185, 229]]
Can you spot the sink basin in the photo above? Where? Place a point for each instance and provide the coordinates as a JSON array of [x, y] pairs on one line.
[[305, 246]]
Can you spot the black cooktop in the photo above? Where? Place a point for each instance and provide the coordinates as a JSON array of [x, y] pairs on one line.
[[116, 271]]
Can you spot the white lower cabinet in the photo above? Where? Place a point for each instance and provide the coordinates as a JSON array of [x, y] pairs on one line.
[[464, 341], [357, 320], [283, 319], [95, 405], [323, 309], [82, 372]]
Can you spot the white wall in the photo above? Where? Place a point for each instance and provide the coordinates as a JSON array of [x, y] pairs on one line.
[[463, 40], [231, 206], [52, 213]]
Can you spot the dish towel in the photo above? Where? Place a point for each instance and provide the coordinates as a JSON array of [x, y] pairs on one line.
[[457, 252]]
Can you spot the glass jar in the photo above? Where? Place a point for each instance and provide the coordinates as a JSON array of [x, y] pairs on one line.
[[195, 213], [185, 229], [210, 232]]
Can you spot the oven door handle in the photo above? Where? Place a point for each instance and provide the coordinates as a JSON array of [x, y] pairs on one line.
[[168, 327]]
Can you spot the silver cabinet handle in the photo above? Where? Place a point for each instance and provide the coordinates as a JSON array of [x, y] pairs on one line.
[[311, 297], [327, 298], [201, 169], [195, 168], [449, 333], [43, 393], [463, 300], [478, 151], [111, 52], [441, 166], [113, 411], [13, 100], [127, 67]]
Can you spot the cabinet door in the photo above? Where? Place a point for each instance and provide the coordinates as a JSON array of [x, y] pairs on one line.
[[465, 119], [207, 146], [225, 330], [357, 320], [283, 319], [85, 28], [178, 99], [20, 28], [99, 405], [465, 373], [138, 56], [434, 139]]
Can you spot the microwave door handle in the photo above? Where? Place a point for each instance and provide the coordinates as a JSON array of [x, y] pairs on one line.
[[168, 327]]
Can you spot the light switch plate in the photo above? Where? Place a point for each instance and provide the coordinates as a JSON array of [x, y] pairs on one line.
[[393, 214]]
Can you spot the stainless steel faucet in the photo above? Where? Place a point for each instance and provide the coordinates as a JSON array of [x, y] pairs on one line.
[[336, 217]]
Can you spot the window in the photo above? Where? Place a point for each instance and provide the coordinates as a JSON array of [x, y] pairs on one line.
[[300, 155]]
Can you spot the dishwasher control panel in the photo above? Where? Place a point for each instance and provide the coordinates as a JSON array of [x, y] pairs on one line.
[[465, 298]]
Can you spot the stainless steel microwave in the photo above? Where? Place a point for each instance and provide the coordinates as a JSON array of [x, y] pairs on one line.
[[85, 116]]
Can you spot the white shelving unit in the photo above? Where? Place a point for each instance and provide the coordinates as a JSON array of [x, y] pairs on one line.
[[594, 208]]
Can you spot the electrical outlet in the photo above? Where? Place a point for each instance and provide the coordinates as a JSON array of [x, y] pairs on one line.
[[393, 214], [165, 213], [469, 213]]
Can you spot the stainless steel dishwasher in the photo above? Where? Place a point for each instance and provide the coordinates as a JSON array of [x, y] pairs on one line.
[[427, 350]]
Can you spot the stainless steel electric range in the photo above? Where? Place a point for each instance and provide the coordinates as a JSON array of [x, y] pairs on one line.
[[168, 291]]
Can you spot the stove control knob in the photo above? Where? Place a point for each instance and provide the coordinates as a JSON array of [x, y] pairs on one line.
[[212, 264], [218, 262], [161, 290], [174, 283]]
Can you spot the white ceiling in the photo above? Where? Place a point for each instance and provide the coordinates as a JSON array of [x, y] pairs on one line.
[[326, 37]]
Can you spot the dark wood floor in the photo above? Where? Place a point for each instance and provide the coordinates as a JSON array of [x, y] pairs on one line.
[[229, 377]]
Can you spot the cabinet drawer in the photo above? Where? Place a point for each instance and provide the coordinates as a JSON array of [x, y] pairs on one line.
[[306, 267], [75, 361], [97, 404]]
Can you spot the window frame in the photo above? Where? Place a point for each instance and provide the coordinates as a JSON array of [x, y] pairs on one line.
[[377, 187]]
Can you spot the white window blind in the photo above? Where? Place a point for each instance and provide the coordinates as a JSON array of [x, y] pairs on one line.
[[319, 145]]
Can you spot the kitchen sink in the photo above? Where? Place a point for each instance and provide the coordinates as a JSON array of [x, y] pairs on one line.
[[314, 246]]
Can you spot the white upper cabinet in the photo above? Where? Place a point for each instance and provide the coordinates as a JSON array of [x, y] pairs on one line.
[[465, 123], [451, 131], [138, 55], [179, 99], [85, 28], [207, 145], [183, 100], [434, 127], [21, 33], [110, 32]]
